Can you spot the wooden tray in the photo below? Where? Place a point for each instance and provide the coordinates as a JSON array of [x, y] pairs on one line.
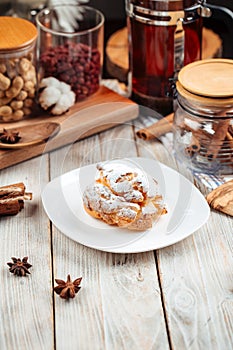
[[103, 110]]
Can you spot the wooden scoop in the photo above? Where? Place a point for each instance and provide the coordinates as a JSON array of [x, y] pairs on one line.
[[32, 134]]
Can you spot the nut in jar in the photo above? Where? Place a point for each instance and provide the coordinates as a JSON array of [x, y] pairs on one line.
[[203, 123], [18, 77]]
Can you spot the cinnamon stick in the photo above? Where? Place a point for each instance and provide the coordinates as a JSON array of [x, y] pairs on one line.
[[193, 147], [217, 139], [13, 190], [157, 129], [229, 139], [11, 207], [230, 129], [198, 132], [12, 198]]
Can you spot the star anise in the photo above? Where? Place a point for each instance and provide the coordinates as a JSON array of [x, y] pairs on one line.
[[8, 136], [18, 267], [67, 289]]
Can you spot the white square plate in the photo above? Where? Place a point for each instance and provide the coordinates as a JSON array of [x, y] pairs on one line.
[[186, 206]]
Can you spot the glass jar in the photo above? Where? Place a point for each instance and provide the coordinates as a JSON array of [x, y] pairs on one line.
[[71, 46], [203, 121], [164, 36], [18, 77]]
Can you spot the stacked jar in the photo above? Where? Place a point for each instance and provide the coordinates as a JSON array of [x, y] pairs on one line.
[[203, 123], [18, 78]]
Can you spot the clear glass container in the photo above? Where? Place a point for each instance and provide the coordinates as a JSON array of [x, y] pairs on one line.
[[164, 35], [18, 75], [203, 121], [70, 46]]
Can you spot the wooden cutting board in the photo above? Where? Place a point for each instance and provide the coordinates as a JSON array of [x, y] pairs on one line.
[[103, 110]]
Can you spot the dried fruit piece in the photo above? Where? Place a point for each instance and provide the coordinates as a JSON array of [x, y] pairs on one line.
[[76, 64]]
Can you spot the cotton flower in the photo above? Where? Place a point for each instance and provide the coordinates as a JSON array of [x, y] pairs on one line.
[[56, 94]]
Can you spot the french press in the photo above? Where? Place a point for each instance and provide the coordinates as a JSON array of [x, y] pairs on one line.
[[164, 35]]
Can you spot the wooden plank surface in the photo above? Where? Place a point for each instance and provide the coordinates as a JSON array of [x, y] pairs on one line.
[[197, 287], [179, 297], [26, 303], [120, 291], [104, 110], [196, 276]]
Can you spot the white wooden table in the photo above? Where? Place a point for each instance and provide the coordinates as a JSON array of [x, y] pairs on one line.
[[178, 297]]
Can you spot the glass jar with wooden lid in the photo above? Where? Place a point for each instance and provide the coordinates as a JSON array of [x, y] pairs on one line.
[[203, 122], [18, 78]]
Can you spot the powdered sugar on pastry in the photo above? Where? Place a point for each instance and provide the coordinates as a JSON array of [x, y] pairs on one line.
[[113, 209], [123, 195], [126, 181]]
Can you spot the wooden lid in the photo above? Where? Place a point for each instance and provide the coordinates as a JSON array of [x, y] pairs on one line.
[[205, 100], [16, 33], [210, 78]]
